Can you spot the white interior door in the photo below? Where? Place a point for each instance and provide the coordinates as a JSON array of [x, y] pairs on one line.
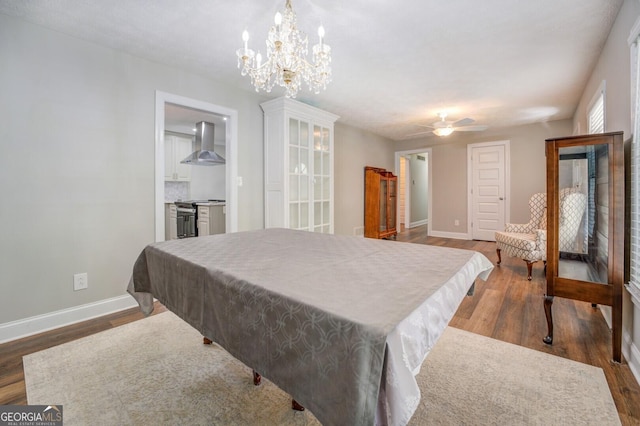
[[488, 189]]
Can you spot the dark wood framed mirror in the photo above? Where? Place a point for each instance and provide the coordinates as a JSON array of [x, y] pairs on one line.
[[585, 225]]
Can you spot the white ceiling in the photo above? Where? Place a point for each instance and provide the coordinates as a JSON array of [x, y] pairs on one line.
[[395, 64], [181, 119]]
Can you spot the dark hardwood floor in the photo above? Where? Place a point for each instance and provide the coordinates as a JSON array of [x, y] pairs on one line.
[[12, 387], [507, 307]]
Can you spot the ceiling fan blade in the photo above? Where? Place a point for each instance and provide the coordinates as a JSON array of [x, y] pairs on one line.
[[471, 128], [463, 122], [416, 134], [425, 125], [441, 124]]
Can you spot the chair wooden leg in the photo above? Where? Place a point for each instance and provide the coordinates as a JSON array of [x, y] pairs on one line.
[[529, 266], [257, 378], [206, 341], [548, 301], [499, 257]]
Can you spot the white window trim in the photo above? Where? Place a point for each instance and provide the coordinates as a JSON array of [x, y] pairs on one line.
[[634, 281], [601, 93]]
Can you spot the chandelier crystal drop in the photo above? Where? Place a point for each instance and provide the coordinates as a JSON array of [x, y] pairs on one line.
[[286, 62]]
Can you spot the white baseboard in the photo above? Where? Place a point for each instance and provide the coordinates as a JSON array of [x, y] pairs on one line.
[[454, 235], [29, 326], [419, 223], [632, 354], [631, 348]]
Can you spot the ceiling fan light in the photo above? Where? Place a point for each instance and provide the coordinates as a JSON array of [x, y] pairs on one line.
[[443, 131]]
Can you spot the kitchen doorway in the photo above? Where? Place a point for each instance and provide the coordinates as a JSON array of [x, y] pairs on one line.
[[230, 117]]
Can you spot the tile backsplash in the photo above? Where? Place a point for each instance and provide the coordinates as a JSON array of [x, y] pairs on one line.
[[174, 191]]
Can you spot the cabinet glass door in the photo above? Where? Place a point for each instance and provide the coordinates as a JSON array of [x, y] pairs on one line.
[[583, 205], [383, 204], [321, 179], [298, 174], [392, 203]]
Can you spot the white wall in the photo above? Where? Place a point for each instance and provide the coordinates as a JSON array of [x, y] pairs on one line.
[[77, 169], [355, 149], [449, 174], [77, 164], [209, 182], [613, 66]]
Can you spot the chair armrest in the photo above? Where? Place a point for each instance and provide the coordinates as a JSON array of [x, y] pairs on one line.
[[541, 239], [520, 228]]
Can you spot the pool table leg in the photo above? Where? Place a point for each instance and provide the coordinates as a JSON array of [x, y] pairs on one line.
[[257, 379], [296, 406]]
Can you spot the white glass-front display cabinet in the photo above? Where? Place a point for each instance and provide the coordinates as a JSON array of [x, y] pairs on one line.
[[298, 150]]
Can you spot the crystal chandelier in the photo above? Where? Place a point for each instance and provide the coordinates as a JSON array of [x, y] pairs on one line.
[[286, 64]]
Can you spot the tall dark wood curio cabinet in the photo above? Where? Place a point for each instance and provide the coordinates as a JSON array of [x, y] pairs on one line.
[[380, 195], [585, 225]]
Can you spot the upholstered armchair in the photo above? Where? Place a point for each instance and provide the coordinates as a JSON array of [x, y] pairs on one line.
[[526, 241]]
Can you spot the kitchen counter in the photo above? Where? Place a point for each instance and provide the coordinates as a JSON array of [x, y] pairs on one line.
[[212, 203], [198, 203]]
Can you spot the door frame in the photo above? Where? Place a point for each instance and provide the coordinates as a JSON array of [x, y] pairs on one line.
[[407, 194], [407, 200], [231, 157], [507, 181]]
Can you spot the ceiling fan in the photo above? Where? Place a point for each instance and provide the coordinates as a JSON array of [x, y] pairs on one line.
[[445, 128]]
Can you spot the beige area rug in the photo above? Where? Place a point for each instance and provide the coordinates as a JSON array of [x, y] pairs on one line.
[[157, 371]]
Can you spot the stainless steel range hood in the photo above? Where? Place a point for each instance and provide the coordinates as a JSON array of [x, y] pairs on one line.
[[204, 154]]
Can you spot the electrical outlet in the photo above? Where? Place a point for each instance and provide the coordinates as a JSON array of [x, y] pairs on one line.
[[80, 281], [456, 222]]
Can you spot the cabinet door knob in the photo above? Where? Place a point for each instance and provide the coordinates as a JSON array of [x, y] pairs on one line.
[[501, 198]]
